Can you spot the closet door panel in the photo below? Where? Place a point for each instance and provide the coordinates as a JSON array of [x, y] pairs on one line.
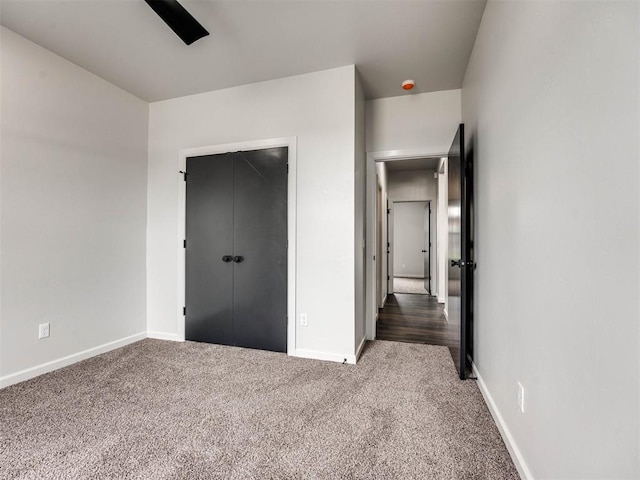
[[209, 235], [260, 248]]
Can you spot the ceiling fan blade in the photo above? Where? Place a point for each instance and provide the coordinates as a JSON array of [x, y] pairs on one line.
[[178, 19]]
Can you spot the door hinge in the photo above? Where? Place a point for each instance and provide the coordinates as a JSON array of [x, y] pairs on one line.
[[388, 210], [388, 244], [184, 310], [184, 243], [184, 175], [388, 278]]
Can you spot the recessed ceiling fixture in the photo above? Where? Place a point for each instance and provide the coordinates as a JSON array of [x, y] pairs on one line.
[[178, 19], [408, 84]]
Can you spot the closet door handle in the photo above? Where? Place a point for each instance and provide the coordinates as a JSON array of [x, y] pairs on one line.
[[238, 259], [227, 258]]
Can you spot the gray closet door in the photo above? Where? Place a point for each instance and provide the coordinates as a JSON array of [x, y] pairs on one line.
[[236, 258], [260, 246], [209, 232]]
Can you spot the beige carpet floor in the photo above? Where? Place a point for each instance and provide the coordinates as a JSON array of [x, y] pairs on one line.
[[160, 410], [409, 285]]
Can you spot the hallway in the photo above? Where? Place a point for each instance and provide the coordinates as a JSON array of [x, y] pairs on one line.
[[414, 319]]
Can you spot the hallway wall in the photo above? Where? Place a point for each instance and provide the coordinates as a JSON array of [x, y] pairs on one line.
[[381, 173], [551, 104], [443, 234], [425, 121]]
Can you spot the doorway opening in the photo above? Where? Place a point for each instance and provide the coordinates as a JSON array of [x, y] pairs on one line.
[[446, 316], [407, 241], [411, 247]]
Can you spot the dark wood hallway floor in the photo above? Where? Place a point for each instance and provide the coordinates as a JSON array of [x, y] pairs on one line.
[[413, 318]]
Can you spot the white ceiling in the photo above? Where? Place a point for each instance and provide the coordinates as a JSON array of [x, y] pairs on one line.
[[124, 42], [430, 163]]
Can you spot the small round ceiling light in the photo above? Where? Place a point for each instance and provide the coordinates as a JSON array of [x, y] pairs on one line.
[[408, 85]]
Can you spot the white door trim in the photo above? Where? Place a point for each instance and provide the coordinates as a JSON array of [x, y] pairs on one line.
[[372, 158], [291, 144]]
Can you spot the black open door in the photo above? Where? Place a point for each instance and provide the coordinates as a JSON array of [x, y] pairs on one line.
[[461, 263]]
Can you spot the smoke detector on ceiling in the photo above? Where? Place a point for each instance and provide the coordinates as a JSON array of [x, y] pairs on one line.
[[408, 85]]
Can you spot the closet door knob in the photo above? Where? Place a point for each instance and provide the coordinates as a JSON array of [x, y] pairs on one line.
[[227, 258], [238, 259]]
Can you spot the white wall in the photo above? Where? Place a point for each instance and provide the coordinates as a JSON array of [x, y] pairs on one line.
[[319, 109], [360, 156], [381, 173], [551, 103], [73, 216], [417, 185], [412, 185], [442, 233], [424, 121], [409, 222]]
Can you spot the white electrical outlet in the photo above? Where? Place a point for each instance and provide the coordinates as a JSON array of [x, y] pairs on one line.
[[521, 397], [43, 330], [304, 321]]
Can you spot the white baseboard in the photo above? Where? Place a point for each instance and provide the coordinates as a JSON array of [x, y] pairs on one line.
[[331, 357], [384, 300], [38, 370], [509, 441], [173, 337], [446, 314], [440, 299], [360, 347]]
